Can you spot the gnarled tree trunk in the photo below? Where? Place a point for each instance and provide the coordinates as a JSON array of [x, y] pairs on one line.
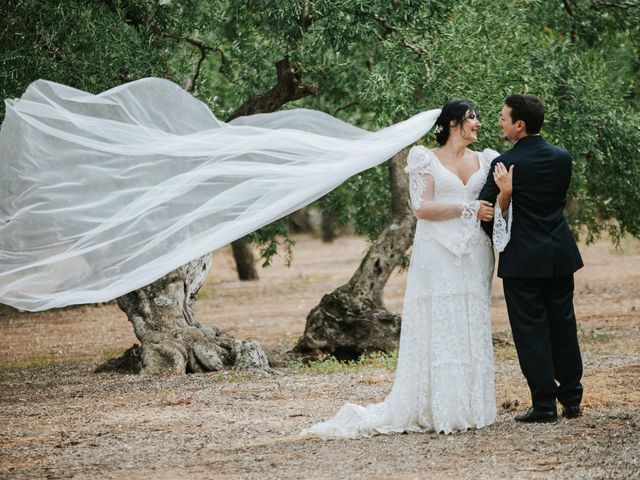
[[172, 340], [161, 313], [352, 320]]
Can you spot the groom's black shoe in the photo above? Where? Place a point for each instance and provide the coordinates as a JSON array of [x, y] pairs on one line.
[[538, 415], [571, 411]]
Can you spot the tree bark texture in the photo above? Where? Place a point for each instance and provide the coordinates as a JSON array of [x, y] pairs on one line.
[[288, 88], [172, 341], [352, 320]]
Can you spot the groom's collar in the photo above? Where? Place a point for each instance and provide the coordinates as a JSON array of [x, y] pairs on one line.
[[529, 140]]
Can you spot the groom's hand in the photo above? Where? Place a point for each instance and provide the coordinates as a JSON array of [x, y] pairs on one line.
[[485, 212], [503, 178]]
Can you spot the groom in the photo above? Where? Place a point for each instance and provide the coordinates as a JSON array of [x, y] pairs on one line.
[[538, 263]]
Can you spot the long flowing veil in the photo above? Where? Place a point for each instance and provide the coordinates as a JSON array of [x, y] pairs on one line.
[[103, 194]]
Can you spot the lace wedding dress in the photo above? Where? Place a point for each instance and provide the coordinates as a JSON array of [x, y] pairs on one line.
[[445, 378]]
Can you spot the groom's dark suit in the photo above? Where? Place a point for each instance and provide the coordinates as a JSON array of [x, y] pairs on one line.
[[537, 269]]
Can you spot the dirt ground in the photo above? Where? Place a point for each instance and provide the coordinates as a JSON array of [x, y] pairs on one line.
[[60, 420]]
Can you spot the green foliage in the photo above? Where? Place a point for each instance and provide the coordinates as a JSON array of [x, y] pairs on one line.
[[35, 361], [331, 364], [269, 238], [592, 335], [84, 44], [376, 62]]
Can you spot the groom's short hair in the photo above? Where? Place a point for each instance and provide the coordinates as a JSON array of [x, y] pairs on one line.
[[527, 108]]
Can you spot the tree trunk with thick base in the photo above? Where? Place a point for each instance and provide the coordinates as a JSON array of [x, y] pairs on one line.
[[352, 320], [172, 340]]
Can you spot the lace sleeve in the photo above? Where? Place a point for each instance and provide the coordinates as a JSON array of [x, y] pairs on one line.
[[420, 189], [501, 220], [420, 170], [420, 166], [419, 161], [502, 226]]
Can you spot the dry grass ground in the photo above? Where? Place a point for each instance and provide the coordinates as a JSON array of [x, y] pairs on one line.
[[60, 420]]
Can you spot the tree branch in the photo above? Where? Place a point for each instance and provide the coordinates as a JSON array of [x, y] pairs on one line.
[[390, 29], [568, 8], [288, 88], [204, 49], [203, 54], [344, 107], [306, 19]]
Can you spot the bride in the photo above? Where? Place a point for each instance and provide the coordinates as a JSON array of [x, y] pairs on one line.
[[445, 376]]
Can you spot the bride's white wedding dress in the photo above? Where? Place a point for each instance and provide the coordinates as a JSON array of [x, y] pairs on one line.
[[445, 376]]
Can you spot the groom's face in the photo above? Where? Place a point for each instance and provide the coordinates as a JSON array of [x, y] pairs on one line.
[[510, 130]]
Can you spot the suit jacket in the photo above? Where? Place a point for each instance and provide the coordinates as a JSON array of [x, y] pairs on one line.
[[541, 244]]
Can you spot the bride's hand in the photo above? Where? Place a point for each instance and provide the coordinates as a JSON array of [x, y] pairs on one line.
[[485, 212], [503, 178]]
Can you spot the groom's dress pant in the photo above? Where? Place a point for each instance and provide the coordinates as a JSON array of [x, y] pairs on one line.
[[544, 330]]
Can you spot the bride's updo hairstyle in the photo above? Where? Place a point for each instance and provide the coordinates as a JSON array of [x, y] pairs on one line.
[[453, 110]]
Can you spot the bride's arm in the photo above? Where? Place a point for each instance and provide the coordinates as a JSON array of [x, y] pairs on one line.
[[425, 208]]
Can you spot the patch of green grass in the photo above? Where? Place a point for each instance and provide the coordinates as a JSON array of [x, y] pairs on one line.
[[592, 335], [505, 352], [333, 365], [503, 346], [28, 362], [206, 294], [111, 353]]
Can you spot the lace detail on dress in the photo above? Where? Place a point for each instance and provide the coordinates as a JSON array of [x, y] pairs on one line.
[[420, 170], [502, 227], [417, 190], [419, 160], [461, 240], [470, 213]]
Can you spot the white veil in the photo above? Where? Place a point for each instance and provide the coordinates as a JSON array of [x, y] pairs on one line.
[[103, 194]]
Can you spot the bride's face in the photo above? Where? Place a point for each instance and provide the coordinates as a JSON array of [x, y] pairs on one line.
[[468, 130]]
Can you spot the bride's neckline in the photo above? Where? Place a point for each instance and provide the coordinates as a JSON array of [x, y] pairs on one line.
[[455, 174]]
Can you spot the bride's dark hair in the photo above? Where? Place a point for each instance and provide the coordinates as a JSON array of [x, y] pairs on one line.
[[452, 110]]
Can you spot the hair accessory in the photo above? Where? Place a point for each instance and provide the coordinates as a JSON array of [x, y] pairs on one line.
[[438, 129]]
